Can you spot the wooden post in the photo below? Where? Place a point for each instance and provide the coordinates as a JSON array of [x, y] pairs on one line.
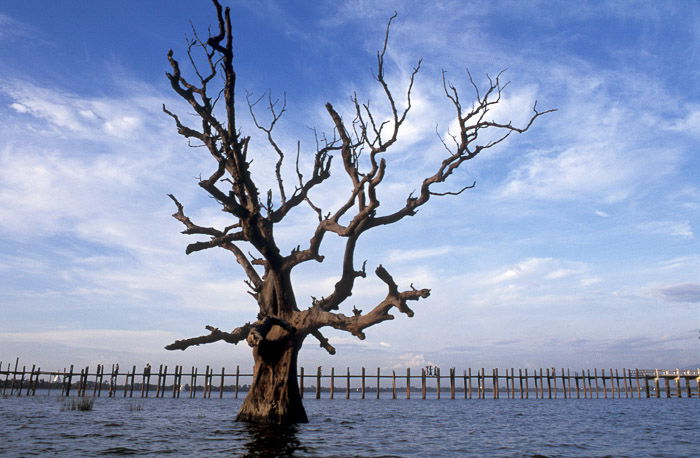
[[98, 381], [126, 381], [318, 382], [38, 374], [81, 384], [31, 380], [667, 382], [111, 383], [422, 381], [483, 383], [494, 373], [470, 382], [465, 384], [175, 386], [5, 383], [629, 384], [688, 391], [238, 375], [165, 381], [7, 377], [625, 373], [537, 388], [378, 375], [301, 382], [21, 381], [70, 381], [160, 377], [564, 382], [133, 380], [452, 383], [578, 391], [507, 384], [64, 377], [612, 384], [85, 382], [347, 384], [332, 387], [554, 377], [179, 382], [678, 384], [527, 386], [639, 386], [393, 384], [657, 384], [221, 385], [143, 382], [363, 382], [207, 383], [541, 384], [14, 376], [549, 385], [408, 383], [437, 378], [595, 378], [605, 384], [568, 380], [646, 385], [193, 382]]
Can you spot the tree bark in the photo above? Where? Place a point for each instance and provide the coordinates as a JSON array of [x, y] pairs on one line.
[[361, 144], [274, 396]]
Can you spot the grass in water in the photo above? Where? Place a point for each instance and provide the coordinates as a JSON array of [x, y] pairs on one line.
[[83, 404], [135, 407]]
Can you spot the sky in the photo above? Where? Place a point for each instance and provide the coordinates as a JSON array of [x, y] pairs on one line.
[[577, 248]]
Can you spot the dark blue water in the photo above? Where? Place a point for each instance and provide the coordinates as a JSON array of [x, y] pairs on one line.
[[205, 427]]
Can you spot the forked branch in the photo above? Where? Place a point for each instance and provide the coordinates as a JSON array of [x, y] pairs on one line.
[[358, 322]]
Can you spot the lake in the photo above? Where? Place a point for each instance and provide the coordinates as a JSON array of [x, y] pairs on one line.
[[41, 425]]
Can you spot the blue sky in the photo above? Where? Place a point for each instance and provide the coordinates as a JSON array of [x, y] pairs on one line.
[[578, 247]]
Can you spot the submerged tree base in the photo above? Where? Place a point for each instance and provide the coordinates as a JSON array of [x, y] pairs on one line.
[[274, 396]]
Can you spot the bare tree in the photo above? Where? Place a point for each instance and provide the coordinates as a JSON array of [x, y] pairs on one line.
[[281, 326]]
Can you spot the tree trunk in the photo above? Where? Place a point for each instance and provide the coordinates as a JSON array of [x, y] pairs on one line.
[[274, 397]]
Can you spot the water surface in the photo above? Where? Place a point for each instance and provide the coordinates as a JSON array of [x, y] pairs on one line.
[[41, 425]]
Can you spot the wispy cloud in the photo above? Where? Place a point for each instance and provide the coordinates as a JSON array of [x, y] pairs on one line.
[[670, 228], [688, 293]]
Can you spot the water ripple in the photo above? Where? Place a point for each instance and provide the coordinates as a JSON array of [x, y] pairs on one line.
[[373, 428]]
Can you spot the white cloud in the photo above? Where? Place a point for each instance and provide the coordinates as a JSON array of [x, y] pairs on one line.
[[412, 360], [546, 268], [104, 339], [670, 228], [18, 107], [412, 255], [688, 292], [690, 124]]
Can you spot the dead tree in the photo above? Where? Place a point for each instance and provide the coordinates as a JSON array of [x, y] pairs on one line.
[[282, 326]]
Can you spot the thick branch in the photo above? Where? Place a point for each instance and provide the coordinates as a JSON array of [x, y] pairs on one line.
[[357, 323], [214, 335], [323, 341]]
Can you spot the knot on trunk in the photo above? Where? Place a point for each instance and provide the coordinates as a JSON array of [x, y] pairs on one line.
[[260, 329]]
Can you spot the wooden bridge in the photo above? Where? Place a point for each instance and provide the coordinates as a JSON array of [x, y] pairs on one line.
[[428, 383]]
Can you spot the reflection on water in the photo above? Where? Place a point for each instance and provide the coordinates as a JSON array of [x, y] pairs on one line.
[[207, 427], [271, 440]]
